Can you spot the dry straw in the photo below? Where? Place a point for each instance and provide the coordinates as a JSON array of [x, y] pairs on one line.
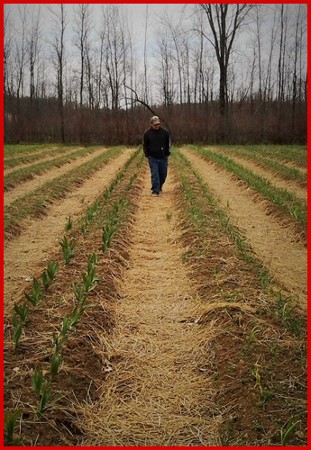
[[158, 389]]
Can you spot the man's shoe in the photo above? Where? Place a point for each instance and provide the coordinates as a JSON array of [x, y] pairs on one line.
[[155, 193]]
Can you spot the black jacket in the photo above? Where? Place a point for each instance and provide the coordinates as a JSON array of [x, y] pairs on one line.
[[157, 143]]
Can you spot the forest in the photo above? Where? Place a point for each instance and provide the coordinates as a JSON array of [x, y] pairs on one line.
[[214, 73]]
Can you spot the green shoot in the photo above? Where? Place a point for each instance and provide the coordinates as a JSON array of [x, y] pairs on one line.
[[36, 294], [80, 294], [37, 381], [45, 280], [17, 330], [56, 363], [68, 225], [45, 396], [84, 228], [10, 420], [65, 328], [68, 249], [89, 279], [76, 315], [255, 330], [92, 259], [58, 342], [52, 269], [287, 433], [108, 231], [22, 311]]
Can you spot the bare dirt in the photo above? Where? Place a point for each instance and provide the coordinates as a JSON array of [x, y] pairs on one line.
[[274, 244], [29, 252]]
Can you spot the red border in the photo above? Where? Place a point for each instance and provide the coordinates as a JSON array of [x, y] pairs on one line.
[[2, 250]]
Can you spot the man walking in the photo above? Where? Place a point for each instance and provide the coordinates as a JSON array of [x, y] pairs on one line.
[[156, 145]]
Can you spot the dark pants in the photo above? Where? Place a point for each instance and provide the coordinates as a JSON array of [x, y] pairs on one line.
[[158, 169]]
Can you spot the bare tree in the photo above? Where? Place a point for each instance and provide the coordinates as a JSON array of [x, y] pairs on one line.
[[203, 67], [259, 49], [7, 53], [21, 51], [268, 84], [282, 52], [145, 55], [81, 40], [166, 70], [224, 21], [33, 49], [116, 44], [58, 47]]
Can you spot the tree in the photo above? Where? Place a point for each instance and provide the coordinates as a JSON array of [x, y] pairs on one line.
[[224, 21], [58, 46], [7, 54], [33, 50], [116, 45], [81, 41]]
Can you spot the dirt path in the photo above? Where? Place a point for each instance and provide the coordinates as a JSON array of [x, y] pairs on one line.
[[38, 180], [292, 187], [155, 394], [275, 245], [28, 253]]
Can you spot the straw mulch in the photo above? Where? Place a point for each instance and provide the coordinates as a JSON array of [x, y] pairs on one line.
[[157, 392]]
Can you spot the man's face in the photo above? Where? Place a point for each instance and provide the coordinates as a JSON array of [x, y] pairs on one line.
[[155, 126]]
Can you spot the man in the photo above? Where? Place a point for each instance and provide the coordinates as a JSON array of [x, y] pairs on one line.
[[156, 145]]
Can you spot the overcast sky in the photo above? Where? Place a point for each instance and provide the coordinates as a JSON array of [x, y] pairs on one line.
[[136, 15], [242, 54]]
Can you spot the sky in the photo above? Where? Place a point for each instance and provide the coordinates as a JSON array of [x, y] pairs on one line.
[[137, 23], [136, 17]]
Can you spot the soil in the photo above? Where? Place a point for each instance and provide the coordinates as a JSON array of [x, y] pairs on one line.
[[274, 244]]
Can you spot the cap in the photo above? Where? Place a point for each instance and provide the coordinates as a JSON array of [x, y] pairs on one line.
[[154, 120]]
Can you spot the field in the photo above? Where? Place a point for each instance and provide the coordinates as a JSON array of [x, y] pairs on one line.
[[178, 320]]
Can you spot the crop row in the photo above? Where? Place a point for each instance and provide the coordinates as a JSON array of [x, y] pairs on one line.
[[283, 153], [271, 164], [111, 211], [285, 201], [40, 153], [12, 149], [257, 320], [36, 203], [20, 175], [247, 359]]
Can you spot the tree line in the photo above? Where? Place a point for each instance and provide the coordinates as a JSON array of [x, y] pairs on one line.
[[220, 73]]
